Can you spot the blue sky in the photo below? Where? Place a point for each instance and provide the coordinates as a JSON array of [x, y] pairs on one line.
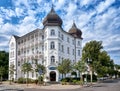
[[98, 19]]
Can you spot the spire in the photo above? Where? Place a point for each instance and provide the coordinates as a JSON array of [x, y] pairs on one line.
[[74, 25], [52, 9]]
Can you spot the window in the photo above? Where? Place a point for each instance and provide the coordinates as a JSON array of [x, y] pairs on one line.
[[68, 51], [18, 63], [52, 59], [52, 45], [59, 46], [62, 48], [12, 45], [78, 43], [62, 37], [59, 34], [73, 42], [45, 46], [73, 51], [52, 32], [18, 52], [78, 52], [42, 37], [68, 40]]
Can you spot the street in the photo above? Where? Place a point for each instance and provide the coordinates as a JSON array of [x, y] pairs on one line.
[[108, 85]]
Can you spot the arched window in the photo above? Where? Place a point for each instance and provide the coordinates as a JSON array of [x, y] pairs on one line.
[[52, 59], [52, 45], [52, 32]]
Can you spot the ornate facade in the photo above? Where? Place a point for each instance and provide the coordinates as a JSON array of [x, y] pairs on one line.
[[49, 46]]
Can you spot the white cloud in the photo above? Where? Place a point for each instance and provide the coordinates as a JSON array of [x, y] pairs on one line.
[[104, 5], [86, 2]]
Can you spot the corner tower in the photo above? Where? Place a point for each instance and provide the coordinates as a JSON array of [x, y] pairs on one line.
[[52, 19]]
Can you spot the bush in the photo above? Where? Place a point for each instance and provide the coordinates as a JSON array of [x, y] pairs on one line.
[[21, 80], [40, 80]]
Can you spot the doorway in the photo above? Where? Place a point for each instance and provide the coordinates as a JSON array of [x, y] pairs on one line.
[[52, 76]]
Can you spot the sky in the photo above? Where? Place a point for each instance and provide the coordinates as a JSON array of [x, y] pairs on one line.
[[98, 20]]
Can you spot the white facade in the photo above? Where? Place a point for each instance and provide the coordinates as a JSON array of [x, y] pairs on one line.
[[49, 46]]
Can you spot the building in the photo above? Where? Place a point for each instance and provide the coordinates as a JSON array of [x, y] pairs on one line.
[[49, 46]]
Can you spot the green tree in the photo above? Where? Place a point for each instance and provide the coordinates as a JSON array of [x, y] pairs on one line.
[[11, 72], [64, 67], [4, 57], [41, 70], [26, 68], [80, 67], [2, 70], [91, 51]]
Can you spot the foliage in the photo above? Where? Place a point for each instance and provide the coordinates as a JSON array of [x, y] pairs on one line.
[[2, 70], [41, 68], [40, 80], [80, 67], [26, 68], [11, 72], [64, 67], [4, 57], [23, 80], [99, 60]]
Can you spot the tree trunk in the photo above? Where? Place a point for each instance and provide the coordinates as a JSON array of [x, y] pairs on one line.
[[81, 79], [1, 79], [27, 79]]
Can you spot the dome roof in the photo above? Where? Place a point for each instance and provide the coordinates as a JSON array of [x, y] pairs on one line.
[[75, 31], [52, 19]]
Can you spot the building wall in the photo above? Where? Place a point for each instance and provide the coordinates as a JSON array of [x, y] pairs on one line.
[[32, 46], [13, 55]]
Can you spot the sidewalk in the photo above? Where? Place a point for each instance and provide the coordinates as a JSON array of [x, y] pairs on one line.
[[49, 86]]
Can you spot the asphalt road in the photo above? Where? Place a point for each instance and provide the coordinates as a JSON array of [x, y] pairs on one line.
[[108, 85]]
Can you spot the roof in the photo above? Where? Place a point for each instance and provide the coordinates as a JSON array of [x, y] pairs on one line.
[[75, 31], [52, 19]]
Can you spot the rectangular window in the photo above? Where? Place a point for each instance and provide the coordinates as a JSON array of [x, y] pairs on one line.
[[59, 34], [78, 43], [42, 37], [18, 63], [59, 46], [73, 51], [62, 48], [62, 37], [68, 51], [43, 47], [73, 42], [68, 40], [78, 52]]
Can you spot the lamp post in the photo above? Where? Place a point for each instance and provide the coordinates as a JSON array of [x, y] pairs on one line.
[[90, 67]]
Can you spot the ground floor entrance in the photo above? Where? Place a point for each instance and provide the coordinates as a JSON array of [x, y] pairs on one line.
[[52, 76]]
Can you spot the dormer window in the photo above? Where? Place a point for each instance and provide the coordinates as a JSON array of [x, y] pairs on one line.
[[52, 32]]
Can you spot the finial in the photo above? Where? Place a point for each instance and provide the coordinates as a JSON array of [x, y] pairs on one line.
[[74, 25], [52, 8]]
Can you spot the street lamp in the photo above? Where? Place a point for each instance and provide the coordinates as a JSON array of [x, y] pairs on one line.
[[90, 67]]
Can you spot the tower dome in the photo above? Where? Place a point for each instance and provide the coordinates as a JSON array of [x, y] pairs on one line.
[[52, 19], [75, 31]]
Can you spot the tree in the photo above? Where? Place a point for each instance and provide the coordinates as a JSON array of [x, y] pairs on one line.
[[11, 71], [41, 70], [26, 68], [4, 57], [64, 67], [91, 51], [80, 67], [2, 70]]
